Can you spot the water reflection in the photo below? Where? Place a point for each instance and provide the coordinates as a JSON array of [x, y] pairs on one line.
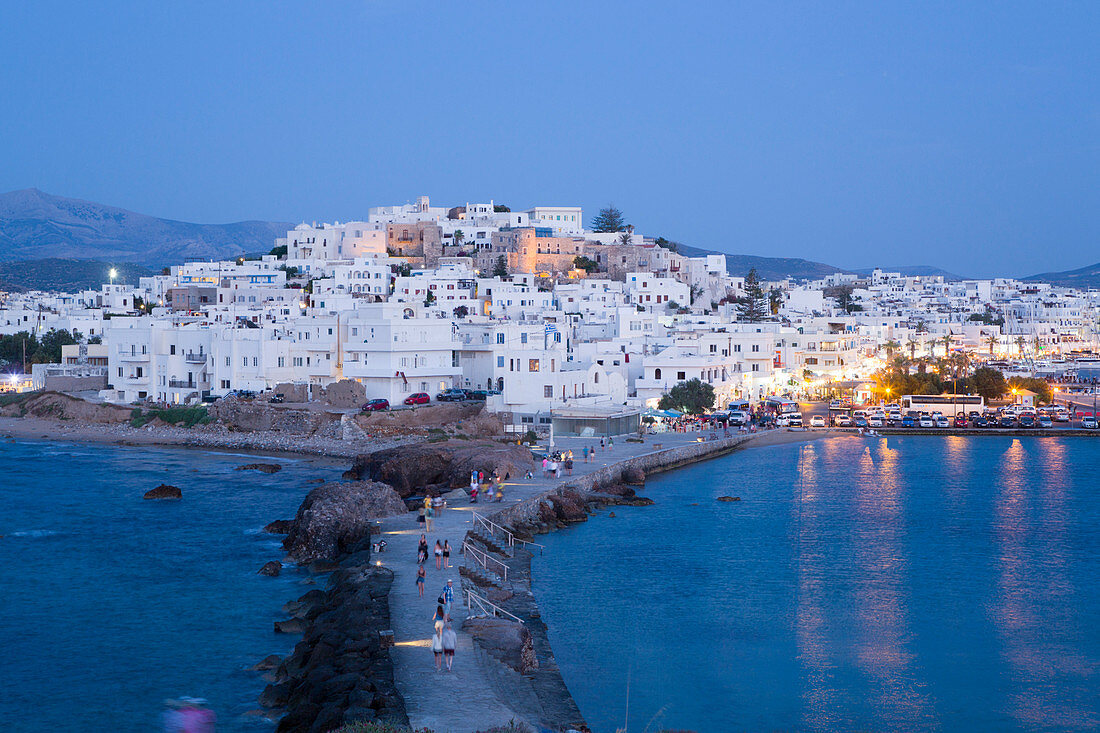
[[1034, 612]]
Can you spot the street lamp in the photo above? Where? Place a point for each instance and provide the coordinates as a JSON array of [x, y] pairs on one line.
[[113, 273]]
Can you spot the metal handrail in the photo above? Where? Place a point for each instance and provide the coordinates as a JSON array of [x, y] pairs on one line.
[[510, 538], [483, 559], [487, 607]]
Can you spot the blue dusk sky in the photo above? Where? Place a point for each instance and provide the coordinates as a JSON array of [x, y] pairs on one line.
[[961, 135]]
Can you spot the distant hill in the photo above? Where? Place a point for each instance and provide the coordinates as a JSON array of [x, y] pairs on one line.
[[913, 271], [1084, 277], [39, 226], [767, 268], [65, 275]]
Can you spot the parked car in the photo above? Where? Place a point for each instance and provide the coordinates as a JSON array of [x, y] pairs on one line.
[[795, 419], [1061, 416], [942, 422], [860, 421], [1027, 420], [909, 422], [418, 398], [477, 394], [451, 395], [376, 405], [276, 399], [960, 420], [842, 421], [817, 421], [926, 421], [979, 422], [1007, 421], [1088, 421], [875, 421]]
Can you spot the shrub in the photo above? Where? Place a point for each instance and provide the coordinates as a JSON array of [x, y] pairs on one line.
[[189, 417]]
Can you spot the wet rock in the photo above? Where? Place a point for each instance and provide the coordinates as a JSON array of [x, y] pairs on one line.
[[272, 661], [729, 498], [275, 695], [261, 467], [164, 491], [290, 626], [271, 569], [336, 517], [634, 476], [279, 526]]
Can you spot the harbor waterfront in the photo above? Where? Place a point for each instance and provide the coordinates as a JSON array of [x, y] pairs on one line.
[[112, 603], [889, 583]]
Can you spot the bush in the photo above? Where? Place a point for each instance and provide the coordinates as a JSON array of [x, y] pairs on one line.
[[378, 727], [531, 437], [189, 417]]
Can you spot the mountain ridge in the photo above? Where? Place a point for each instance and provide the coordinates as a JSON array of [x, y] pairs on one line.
[[35, 225], [1083, 277]]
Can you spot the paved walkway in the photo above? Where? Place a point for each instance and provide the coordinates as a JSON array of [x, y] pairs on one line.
[[464, 700]]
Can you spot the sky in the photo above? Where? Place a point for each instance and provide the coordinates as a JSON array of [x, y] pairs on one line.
[[960, 135]]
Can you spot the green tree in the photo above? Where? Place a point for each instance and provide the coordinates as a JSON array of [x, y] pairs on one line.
[[991, 339], [693, 397], [842, 294], [501, 209], [609, 219], [429, 298], [461, 311], [501, 267], [279, 251], [987, 382], [459, 236], [751, 307], [665, 244], [1039, 386], [580, 262]]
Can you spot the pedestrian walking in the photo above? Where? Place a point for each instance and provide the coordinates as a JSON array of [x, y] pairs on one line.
[[585, 454], [610, 443], [437, 506], [450, 641], [448, 597], [446, 554], [421, 575], [437, 649], [545, 467], [438, 555], [569, 466], [422, 550], [440, 617], [428, 514], [602, 444], [421, 517]]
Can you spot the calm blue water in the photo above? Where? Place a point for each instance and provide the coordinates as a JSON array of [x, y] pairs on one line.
[[904, 583], [110, 603]]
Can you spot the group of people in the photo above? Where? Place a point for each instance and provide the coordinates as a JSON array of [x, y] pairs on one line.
[[444, 640], [433, 507], [492, 488]]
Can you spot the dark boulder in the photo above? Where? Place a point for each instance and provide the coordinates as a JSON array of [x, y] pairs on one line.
[[272, 661], [335, 518], [271, 569], [634, 476], [290, 626], [261, 467], [507, 641], [279, 526], [164, 491], [729, 498]]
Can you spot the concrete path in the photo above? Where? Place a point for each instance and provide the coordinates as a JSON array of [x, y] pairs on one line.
[[464, 700]]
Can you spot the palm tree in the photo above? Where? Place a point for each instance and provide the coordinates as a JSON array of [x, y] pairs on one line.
[[912, 349], [991, 339], [947, 344], [1020, 341], [459, 236], [890, 347]]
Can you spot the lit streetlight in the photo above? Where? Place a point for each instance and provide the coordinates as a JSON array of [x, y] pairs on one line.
[[113, 273]]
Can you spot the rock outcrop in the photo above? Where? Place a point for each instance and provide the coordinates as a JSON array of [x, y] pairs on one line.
[[506, 641], [164, 491], [417, 468], [279, 526], [729, 498], [271, 569], [340, 672], [261, 467], [634, 477], [337, 516]]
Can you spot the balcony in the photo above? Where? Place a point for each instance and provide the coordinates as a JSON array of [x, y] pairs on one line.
[[192, 357], [181, 384]]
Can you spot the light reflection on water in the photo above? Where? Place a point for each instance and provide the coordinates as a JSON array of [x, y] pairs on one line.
[[903, 583]]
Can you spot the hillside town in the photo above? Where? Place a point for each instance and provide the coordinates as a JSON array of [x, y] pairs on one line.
[[530, 311]]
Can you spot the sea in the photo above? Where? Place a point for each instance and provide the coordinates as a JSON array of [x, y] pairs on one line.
[[111, 604], [860, 584]]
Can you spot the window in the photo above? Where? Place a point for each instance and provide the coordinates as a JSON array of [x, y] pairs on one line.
[[533, 365], [282, 361], [227, 361], [500, 338], [756, 367], [737, 348], [244, 361], [681, 376], [500, 362], [756, 348], [657, 373], [172, 349], [255, 361], [548, 390], [523, 338]]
